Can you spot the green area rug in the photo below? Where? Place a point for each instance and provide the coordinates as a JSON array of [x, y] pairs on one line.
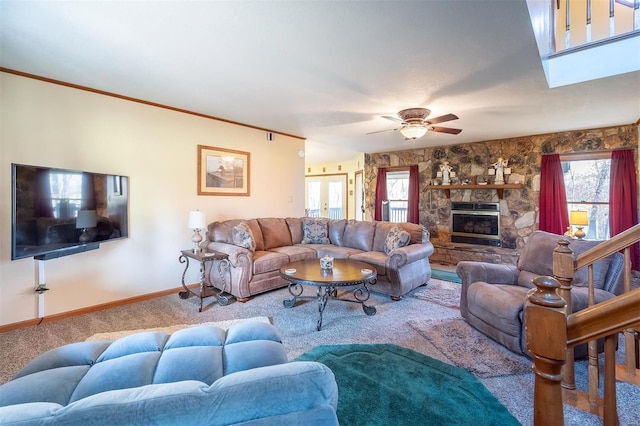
[[450, 276], [386, 384]]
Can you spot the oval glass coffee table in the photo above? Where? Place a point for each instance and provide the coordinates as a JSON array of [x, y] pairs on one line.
[[345, 273]]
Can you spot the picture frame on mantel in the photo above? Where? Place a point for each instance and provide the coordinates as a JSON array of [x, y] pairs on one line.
[[223, 171]]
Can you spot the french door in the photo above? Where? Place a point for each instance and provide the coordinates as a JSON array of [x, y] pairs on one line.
[[359, 195], [326, 196]]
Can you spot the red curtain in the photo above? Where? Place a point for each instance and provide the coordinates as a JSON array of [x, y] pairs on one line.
[[381, 193], [413, 215], [554, 216], [623, 198]]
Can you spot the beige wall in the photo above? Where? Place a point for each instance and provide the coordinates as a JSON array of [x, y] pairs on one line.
[[52, 125], [350, 167]]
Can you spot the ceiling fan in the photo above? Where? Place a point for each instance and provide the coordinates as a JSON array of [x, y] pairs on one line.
[[415, 124]]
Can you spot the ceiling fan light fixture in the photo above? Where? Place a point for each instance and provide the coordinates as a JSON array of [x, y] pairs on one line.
[[414, 130]]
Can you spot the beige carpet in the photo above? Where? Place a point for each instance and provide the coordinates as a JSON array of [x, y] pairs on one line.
[[171, 329], [441, 292], [405, 323], [469, 349]]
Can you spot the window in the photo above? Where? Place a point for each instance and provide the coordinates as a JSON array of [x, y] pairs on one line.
[[398, 195], [66, 194], [586, 180]]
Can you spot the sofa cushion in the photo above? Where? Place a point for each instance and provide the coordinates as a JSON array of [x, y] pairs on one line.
[[243, 237], [375, 258], [537, 258], [275, 232], [330, 250], [498, 304], [336, 231], [223, 231], [267, 261], [419, 233], [315, 231], [297, 252], [396, 238], [359, 235], [295, 229], [203, 353], [380, 237], [257, 233]]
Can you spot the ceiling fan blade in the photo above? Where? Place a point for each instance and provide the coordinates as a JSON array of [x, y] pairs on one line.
[[396, 119], [380, 131], [441, 119], [446, 130]]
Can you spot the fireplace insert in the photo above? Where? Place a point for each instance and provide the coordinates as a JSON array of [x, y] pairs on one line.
[[475, 223]]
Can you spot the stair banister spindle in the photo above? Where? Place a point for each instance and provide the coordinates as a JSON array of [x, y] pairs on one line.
[[588, 21], [594, 366], [636, 14], [567, 27], [612, 19]]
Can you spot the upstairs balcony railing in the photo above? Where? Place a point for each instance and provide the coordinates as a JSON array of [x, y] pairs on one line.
[[584, 40], [579, 23]]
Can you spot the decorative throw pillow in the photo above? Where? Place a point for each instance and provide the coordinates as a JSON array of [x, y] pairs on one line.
[[243, 237], [315, 231], [396, 238]]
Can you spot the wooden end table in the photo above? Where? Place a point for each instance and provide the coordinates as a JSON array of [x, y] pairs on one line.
[[345, 273], [205, 290]]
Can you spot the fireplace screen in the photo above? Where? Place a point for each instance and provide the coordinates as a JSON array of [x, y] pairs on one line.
[[475, 223]]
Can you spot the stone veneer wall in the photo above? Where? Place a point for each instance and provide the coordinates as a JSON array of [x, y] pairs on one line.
[[518, 208]]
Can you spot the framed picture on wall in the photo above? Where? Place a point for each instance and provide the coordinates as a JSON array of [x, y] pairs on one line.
[[223, 171]]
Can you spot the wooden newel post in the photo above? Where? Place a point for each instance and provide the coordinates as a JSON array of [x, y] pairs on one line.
[[563, 271], [546, 331]]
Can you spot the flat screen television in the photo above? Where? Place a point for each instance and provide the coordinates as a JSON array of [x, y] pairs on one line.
[[58, 212]]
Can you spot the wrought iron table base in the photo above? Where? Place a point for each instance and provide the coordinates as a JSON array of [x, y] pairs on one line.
[[360, 295], [205, 290]]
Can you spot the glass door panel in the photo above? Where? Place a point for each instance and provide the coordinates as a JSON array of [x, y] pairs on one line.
[[325, 196]]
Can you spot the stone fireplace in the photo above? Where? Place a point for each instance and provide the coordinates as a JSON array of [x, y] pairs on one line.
[[518, 207], [475, 223]]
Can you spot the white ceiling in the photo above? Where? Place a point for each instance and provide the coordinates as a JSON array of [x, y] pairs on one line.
[[323, 70]]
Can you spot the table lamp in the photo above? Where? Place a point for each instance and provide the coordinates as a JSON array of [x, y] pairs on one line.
[[86, 219], [197, 221], [579, 219]]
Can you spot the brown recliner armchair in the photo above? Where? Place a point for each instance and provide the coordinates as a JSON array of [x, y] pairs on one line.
[[493, 296]]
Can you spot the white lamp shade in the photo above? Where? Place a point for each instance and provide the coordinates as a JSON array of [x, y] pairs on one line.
[[86, 219], [197, 220], [577, 217]]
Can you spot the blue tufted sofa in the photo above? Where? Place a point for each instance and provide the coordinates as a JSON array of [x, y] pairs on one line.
[[201, 375]]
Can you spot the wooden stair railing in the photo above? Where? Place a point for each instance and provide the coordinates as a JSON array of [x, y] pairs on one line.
[[554, 333], [552, 340]]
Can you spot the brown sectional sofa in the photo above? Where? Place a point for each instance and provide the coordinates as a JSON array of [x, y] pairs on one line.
[[278, 241]]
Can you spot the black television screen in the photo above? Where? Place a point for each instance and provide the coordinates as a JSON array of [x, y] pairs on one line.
[[57, 212]]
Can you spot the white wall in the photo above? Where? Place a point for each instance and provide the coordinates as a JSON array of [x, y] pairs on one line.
[[52, 125]]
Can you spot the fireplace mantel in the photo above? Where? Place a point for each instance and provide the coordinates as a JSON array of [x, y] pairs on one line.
[[499, 188]]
